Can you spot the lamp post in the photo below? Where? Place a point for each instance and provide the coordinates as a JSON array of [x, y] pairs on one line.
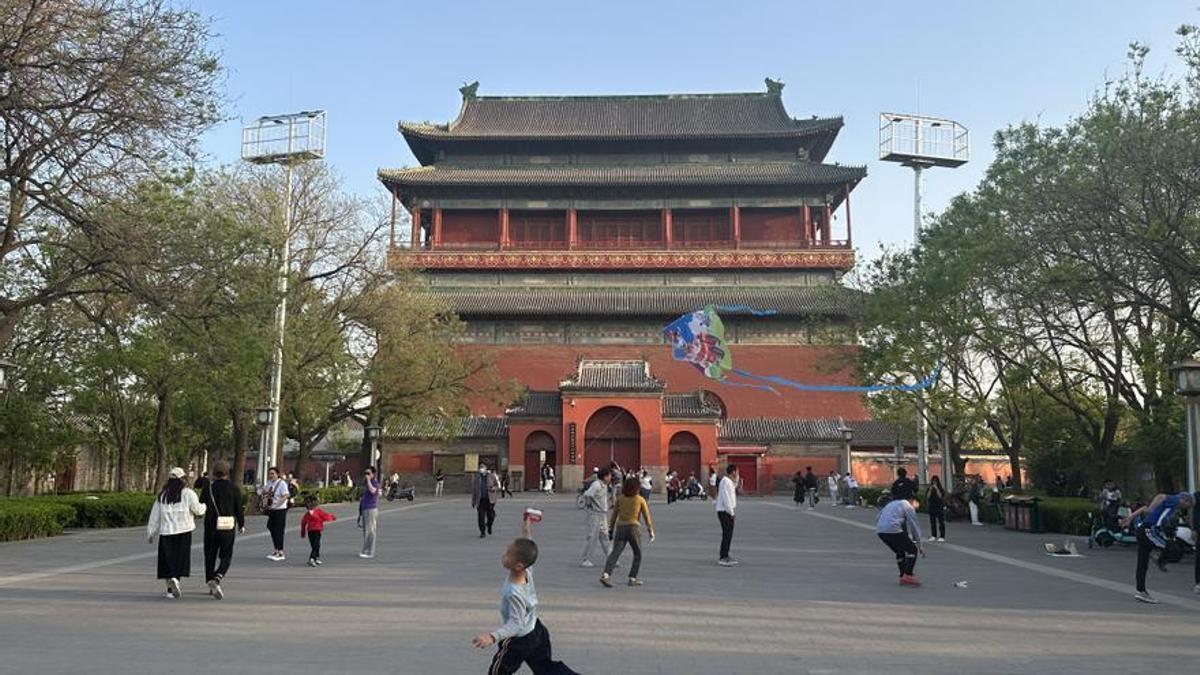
[[847, 437], [372, 433], [265, 417], [1186, 377], [947, 465]]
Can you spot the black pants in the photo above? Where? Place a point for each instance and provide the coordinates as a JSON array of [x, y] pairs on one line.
[[487, 515], [218, 552], [276, 524], [905, 550], [314, 545], [937, 519], [1145, 547], [625, 534], [532, 649], [726, 519]]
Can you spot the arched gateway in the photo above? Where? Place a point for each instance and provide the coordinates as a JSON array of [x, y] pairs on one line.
[[612, 435], [683, 455], [539, 448]]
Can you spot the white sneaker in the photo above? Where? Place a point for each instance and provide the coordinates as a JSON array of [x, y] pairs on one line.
[[218, 592], [942, 539], [587, 563], [1143, 596], [932, 539], [365, 555], [1196, 588], [173, 588], [312, 563], [319, 561], [276, 557], [169, 595]]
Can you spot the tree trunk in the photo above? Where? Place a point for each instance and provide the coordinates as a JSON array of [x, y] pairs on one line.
[[1014, 465], [241, 442], [160, 437]]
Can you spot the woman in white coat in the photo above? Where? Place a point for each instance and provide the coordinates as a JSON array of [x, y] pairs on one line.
[[173, 518]]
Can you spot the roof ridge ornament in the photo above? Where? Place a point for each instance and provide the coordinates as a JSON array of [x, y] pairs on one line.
[[774, 87], [468, 91]]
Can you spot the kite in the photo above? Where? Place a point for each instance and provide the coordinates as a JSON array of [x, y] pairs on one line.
[[698, 338]]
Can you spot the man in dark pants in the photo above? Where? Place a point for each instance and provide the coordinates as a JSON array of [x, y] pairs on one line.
[[726, 504], [223, 501], [483, 498], [1149, 522]]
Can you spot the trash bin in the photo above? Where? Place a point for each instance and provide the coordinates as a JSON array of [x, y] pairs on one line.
[[1022, 514]]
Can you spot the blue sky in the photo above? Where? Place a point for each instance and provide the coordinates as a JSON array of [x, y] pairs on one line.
[[984, 64]]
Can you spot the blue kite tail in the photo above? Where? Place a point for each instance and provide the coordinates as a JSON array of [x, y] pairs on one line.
[[760, 387], [783, 382], [745, 309]]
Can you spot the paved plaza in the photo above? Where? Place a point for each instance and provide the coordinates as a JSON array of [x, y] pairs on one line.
[[815, 593]]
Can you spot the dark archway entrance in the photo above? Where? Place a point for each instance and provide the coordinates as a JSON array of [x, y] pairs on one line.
[[612, 435], [538, 445], [683, 455]]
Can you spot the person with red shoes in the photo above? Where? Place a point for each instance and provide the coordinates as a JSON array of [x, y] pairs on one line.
[[312, 526], [897, 527]]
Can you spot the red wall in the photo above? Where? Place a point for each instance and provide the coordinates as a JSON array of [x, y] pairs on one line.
[[539, 226], [544, 366], [620, 226], [771, 224], [701, 225], [470, 226]]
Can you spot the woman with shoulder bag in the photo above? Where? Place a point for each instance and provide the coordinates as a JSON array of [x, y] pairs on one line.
[[224, 519], [173, 518]]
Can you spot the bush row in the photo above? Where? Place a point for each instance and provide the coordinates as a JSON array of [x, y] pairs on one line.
[[21, 519]]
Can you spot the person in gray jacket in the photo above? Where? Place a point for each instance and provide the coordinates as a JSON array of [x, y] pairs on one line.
[[898, 528], [485, 489], [595, 504]]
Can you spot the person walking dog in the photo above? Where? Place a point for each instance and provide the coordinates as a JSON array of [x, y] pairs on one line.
[[172, 519]]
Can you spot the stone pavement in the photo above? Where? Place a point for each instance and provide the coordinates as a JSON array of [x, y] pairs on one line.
[[815, 593]]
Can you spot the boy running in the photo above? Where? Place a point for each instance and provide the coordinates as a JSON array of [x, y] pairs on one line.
[[522, 638], [312, 525], [897, 527]]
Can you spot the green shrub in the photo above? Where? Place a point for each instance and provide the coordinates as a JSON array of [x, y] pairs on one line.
[[27, 519], [869, 496], [1066, 515]]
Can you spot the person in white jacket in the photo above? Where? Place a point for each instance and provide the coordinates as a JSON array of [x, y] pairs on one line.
[[173, 518], [726, 504]]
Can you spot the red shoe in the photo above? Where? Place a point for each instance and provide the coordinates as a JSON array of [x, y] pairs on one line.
[[909, 580]]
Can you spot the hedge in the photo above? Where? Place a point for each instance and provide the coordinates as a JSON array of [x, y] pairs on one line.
[[22, 519]]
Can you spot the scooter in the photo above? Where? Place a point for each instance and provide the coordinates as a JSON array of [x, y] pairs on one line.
[[1106, 527], [396, 492]]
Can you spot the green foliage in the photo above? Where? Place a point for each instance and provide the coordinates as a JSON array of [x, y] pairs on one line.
[[1066, 515], [23, 519]]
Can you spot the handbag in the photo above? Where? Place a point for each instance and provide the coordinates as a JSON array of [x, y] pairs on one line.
[[224, 523]]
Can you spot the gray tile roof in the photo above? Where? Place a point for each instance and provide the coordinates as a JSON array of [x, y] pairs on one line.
[[667, 301], [772, 429], [436, 428], [537, 404], [648, 175], [612, 375], [623, 117], [688, 406], [880, 433]]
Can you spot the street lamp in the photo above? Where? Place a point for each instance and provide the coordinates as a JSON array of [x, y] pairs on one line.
[[1186, 377], [947, 465], [265, 417], [372, 432], [847, 436], [4, 366]]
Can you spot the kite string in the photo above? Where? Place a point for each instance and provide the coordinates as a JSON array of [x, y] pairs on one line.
[[745, 309], [774, 379]]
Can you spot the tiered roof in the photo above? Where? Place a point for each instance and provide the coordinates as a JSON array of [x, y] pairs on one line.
[[661, 301]]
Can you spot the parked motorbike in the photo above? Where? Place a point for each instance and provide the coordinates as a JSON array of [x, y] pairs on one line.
[[396, 492]]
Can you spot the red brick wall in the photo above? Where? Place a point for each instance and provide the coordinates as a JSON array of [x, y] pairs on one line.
[[544, 366], [537, 226], [771, 224], [470, 226], [620, 226], [701, 225]]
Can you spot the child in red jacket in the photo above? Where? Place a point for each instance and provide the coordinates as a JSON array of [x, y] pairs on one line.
[[312, 524]]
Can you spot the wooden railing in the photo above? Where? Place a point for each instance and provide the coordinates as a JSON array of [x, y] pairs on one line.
[[630, 245]]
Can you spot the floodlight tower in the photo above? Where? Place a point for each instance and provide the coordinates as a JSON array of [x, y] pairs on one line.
[[286, 140], [920, 143]]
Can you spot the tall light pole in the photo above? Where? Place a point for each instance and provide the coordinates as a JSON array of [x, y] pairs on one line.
[[372, 433], [1186, 376], [847, 438], [920, 143], [286, 140]]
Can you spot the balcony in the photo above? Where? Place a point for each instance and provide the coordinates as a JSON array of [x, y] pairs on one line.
[[618, 254]]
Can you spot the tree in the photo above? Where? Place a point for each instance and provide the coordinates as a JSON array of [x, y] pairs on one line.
[[95, 95]]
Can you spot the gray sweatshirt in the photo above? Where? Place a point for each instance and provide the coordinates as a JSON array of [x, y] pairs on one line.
[[897, 514]]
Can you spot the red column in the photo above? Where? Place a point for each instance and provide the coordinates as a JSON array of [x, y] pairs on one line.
[[735, 220], [828, 223], [806, 225], [504, 236], [437, 227], [416, 227], [848, 240], [667, 236], [572, 228]]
